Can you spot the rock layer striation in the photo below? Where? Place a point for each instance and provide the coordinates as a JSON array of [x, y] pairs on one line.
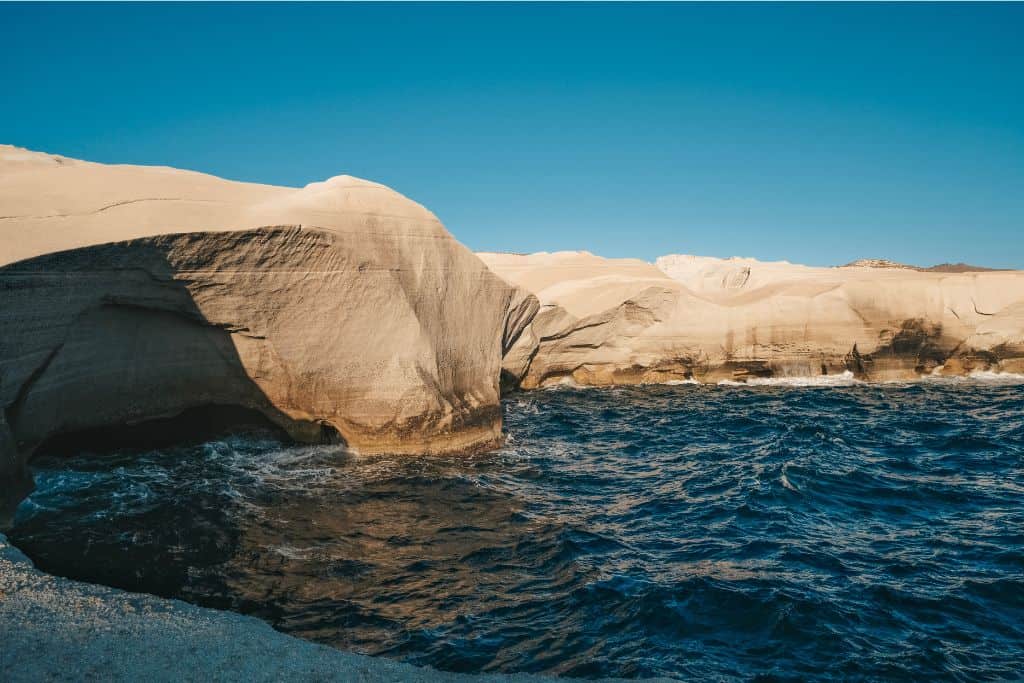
[[687, 318], [341, 310], [345, 311]]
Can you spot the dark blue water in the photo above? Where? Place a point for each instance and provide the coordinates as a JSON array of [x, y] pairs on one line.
[[861, 532]]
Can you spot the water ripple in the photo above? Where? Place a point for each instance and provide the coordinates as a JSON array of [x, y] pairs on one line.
[[850, 531]]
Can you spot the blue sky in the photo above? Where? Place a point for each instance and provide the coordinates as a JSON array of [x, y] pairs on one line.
[[815, 133]]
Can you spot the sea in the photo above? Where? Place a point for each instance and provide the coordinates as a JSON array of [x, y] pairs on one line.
[[790, 530]]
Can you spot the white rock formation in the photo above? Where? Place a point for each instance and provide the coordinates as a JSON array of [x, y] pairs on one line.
[[344, 310], [337, 310], [611, 321]]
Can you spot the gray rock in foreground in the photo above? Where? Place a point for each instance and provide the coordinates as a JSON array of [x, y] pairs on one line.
[[54, 629]]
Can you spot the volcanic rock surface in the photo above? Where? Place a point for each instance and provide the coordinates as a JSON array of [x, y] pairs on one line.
[[340, 310], [345, 311], [688, 318]]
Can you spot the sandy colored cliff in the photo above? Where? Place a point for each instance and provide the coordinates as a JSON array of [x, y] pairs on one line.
[[343, 310], [340, 310], [689, 318]]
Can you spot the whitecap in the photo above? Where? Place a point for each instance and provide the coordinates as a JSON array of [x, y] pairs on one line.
[[844, 379], [291, 552], [978, 376], [566, 382], [1000, 377]]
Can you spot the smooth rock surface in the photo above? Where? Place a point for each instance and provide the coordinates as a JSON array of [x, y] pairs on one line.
[[688, 318], [341, 310]]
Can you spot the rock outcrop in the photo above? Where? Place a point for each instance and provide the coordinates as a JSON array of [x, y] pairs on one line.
[[341, 310], [56, 629], [940, 268], [687, 318]]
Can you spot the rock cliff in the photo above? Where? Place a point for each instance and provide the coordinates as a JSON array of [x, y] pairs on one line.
[[344, 311], [688, 318], [341, 310]]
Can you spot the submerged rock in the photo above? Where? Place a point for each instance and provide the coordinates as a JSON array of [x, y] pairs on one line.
[[338, 311], [687, 318]]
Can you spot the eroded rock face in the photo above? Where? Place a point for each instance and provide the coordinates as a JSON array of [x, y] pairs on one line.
[[623, 321], [341, 310]]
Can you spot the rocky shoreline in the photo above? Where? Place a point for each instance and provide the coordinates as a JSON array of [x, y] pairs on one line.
[[605, 321], [343, 311], [55, 629]]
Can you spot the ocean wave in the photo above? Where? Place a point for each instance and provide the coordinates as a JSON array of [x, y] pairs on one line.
[[845, 379], [975, 376], [1000, 377], [695, 534], [563, 383]]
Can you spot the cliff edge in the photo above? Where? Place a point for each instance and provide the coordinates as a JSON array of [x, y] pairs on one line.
[[337, 311], [701, 319]]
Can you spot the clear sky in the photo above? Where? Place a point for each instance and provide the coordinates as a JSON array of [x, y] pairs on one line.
[[814, 133]]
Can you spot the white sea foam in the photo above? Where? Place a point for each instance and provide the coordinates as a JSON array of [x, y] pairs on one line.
[[1002, 377], [977, 376], [293, 552], [567, 382], [845, 379]]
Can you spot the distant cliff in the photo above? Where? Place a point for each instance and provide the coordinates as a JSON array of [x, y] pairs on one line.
[[940, 268], [689, 318]]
